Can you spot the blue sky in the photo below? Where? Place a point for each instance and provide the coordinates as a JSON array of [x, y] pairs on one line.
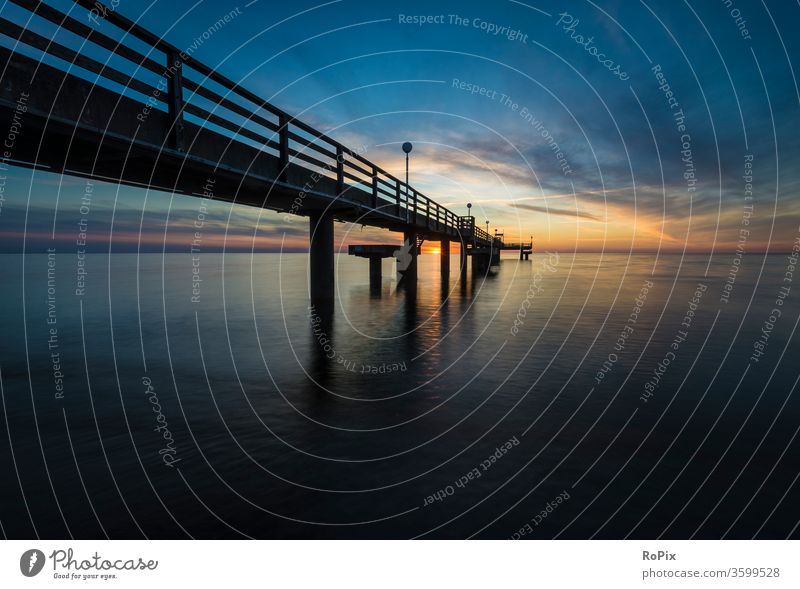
[[355, 70]]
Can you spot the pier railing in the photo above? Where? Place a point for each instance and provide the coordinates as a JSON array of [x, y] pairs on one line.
[[145, 67]]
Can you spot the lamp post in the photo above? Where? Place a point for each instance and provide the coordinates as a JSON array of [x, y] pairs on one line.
[[487, 227], [407, 147]]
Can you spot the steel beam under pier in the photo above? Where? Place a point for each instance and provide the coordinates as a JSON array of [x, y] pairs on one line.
[[321, 256]]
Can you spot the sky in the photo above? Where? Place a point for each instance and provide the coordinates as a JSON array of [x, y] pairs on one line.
[[551, 118]]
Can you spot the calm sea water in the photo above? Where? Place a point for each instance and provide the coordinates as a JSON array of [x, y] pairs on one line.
[[567, 396]]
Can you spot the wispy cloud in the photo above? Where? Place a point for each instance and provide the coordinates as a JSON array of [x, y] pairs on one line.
[[561, 212]]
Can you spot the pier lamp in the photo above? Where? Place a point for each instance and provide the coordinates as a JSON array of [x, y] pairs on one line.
[[469, 209], [487, 227], [407, 147]]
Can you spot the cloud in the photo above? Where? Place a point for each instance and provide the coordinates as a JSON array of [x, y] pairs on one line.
[[562, 212]]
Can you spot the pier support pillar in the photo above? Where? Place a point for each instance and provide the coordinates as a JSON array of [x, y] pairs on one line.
[[480, 263], [375, 275], [407, 260], [321, 269], [463, 260], [445, 257]]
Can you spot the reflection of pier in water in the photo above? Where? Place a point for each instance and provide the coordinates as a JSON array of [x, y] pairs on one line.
[[406, 325]]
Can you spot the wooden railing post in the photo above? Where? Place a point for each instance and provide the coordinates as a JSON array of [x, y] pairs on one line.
[[339, 170], [428, 213], [283, 151], [174, 74], [397, 195], [374, 187]]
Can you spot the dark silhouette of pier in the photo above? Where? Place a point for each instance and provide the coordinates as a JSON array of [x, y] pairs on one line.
[[196, 132]]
